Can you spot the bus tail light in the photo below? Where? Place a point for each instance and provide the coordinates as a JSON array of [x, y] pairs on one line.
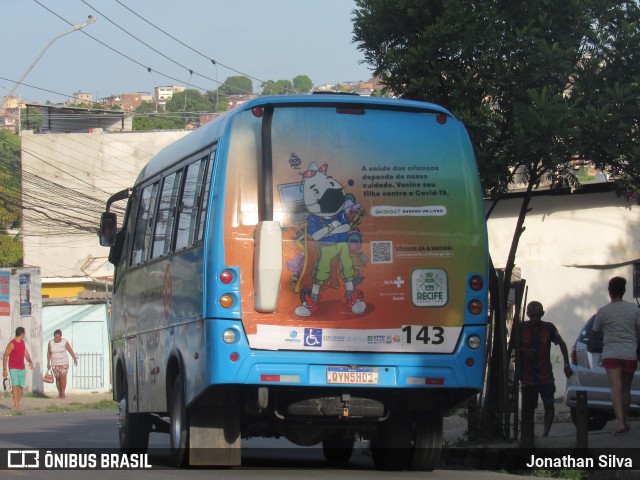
[[425, 381], [277, 378], [226, 301], [475, 307], [470, 362], [226, 277], [476, 283], [441, 118]]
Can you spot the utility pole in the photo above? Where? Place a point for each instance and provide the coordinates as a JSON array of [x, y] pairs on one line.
[[79, 26]]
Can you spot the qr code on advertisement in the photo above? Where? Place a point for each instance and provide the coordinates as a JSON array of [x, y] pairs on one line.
[[382, 252]]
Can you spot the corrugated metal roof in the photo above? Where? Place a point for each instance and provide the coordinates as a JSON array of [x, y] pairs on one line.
[[60, 119]]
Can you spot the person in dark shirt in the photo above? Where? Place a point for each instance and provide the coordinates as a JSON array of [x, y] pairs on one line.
[[534, 365]]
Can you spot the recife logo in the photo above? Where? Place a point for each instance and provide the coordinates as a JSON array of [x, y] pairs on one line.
[[312, 337], [429, 287]]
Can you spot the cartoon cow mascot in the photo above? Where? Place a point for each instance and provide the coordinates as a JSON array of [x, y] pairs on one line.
[[332, 215]]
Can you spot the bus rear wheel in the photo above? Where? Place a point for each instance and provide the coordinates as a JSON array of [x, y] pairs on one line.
[[338, 448], [133, 428], [427, 441], [179, 425], [391, 447]]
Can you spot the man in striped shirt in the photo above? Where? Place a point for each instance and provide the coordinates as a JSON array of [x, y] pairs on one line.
[[534, 365]]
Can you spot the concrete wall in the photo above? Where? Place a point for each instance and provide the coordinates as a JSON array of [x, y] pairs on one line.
[[21, 289], [563, 233], [92, 164]]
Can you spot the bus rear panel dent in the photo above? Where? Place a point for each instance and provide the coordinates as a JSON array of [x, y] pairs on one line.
[[314, 267]]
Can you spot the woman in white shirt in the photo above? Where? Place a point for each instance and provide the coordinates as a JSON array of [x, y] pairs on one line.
[[58, 361]]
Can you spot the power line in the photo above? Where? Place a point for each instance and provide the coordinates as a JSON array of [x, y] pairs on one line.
[[37, 88], [214, 62], [126, 181], [66, 172], [149, 69], [190, 70]]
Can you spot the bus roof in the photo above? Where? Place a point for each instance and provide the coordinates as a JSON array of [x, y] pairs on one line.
[[209, 133]]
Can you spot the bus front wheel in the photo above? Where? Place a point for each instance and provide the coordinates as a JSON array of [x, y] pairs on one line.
[[133, 428], [179, 425]]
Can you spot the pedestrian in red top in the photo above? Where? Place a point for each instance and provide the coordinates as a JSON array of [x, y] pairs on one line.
[[13, 364], [534, 365]]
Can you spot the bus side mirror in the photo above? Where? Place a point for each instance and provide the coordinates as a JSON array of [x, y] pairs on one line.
[[108, 229]]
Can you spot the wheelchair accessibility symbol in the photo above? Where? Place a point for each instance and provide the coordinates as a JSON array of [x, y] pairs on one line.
[[312, 337]]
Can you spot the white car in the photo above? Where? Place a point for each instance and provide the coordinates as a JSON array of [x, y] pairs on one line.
[[590, 376]]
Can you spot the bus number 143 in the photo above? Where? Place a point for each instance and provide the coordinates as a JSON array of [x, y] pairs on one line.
[[426, 335]]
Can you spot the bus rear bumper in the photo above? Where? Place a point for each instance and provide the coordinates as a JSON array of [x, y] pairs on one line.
[[236, 363]]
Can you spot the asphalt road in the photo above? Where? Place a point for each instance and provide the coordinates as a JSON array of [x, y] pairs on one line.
[[262, 458]]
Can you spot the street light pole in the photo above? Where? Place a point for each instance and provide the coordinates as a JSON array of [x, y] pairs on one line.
[[79, 26]]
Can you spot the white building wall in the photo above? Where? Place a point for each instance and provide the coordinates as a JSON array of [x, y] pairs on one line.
[[563, 232], [21, 302], [95, 164]]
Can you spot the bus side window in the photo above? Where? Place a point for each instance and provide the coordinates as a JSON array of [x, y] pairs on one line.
[[166, 215], [144, 224], [202, 218], [120, 256], [128, 226], [188, 214]]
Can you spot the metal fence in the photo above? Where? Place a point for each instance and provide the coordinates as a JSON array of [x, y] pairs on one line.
[[89, 373]]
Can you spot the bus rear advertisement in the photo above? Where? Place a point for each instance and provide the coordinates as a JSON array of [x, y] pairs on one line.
[[313, 267]]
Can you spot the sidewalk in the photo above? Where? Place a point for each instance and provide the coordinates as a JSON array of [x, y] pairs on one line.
[[562, 434], [498, 454], [33, 405]]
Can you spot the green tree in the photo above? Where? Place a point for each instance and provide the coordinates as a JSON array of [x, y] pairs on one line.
[[147, 107], [10, 251], [217, 99], [31, 119], [157, 122], [190, 104], [10, 184], [236, 85], [302, 84], [10, 193], [146, 118], [279, 87], [537, 83]]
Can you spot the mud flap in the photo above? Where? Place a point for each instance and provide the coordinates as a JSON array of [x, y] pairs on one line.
[[214, 436]]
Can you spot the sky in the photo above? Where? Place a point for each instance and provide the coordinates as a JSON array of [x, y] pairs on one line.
[[264, 39]]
